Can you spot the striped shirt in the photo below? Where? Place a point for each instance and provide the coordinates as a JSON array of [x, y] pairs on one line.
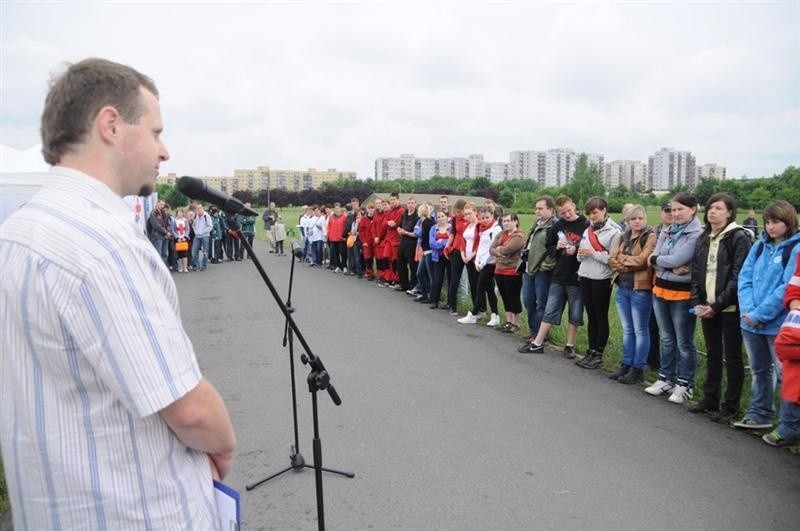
[[92, 349]]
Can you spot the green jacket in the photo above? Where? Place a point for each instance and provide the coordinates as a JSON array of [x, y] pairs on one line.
[[248, 224], [216, 232], [538, 260]]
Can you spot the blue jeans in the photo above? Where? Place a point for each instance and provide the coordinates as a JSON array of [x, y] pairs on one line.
[[765, 369], [789, 421], [200, 242], [354, 259], [425, 274], [634, 307], [676, 330], [534, 296], [317, 253], [162, 246]]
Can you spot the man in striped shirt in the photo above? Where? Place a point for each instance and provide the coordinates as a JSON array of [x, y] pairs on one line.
[[105, 419]]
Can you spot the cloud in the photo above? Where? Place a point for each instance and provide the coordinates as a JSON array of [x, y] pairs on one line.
[[337, 85]]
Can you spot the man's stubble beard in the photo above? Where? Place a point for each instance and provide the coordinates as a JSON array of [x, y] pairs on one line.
[[146, 190]]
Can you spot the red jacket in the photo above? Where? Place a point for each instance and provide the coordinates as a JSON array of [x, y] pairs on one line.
[[378, 228], [394, 214], [787, 344], [365, 231], [457, 223], [336, 227]]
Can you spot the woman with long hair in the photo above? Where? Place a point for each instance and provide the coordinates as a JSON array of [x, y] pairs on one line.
[[633, 277], [484, 265], [672, 263], [762, 285], [506, 249], [595, 274], [718, 258], [468, 248]]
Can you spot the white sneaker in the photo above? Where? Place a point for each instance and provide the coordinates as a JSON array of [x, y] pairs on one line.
[[337, 270], [344, 270], [494, 320], [681, 394], [659, 388], [468, 319]]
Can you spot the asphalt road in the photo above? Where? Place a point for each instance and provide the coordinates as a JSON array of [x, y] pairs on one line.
[[447, 427]]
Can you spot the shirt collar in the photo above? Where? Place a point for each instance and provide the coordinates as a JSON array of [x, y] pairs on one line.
[[91, 189]]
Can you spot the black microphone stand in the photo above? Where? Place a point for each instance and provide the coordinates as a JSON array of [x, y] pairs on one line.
[[296, 459], [318, 379]]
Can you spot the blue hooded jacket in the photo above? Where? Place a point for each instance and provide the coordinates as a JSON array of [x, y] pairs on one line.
[[762, 284]]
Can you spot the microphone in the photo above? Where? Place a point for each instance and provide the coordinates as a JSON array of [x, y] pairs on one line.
[[198, 189]]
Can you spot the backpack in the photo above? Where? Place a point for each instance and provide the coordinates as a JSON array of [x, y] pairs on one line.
[[786, 255]]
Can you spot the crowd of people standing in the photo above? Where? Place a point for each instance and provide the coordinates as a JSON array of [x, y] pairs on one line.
[[663, 279], [192, 237]]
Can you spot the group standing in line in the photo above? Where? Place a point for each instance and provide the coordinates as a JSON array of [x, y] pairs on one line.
[[664, 278]]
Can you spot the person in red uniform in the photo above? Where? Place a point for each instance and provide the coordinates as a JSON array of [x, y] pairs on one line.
[[366, 239], [787, 348], [392, 221], [378, 237]]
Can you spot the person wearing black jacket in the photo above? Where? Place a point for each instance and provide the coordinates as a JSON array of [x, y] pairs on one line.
[[406, 264], [718, 258], [354, 260]]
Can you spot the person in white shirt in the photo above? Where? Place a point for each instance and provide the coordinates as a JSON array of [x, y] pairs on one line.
[[487, 229], [106, 421]]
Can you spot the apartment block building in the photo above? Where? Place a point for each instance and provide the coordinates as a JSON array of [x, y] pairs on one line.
[[629, 173], [407, 166], [496, 171], [264, 177], [554, 167], [711, 171], [668, 168], [527, 165]]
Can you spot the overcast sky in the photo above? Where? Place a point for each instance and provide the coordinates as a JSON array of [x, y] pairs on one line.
[[323, 85]]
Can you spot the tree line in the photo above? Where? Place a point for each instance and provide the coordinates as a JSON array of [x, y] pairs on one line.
[[521, 194]]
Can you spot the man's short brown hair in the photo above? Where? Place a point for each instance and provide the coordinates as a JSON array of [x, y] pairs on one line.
[[563, 200], [77, 95]]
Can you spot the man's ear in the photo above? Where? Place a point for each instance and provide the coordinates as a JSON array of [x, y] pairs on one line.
[[108, 124]]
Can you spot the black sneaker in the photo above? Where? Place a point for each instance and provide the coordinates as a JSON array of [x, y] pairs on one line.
[[634, 376], [704, 406], [531, 348], [593, 361], [725, 414], [589, 354], [569, 352], [619, 373]]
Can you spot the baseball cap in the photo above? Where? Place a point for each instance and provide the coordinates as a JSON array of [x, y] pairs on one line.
[[667, 206]]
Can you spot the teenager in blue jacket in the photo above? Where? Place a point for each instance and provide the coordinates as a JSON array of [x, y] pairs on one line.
[[762, 285]]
